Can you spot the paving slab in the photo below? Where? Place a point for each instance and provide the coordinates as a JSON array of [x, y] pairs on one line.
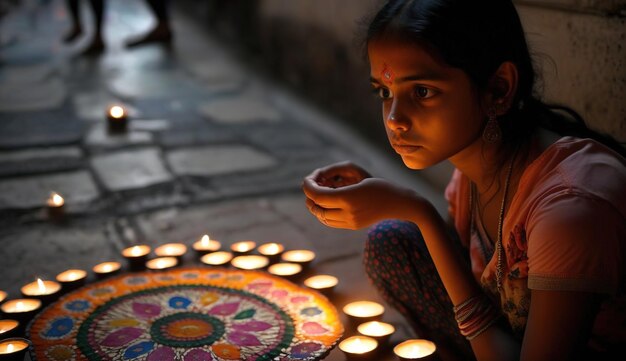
[[154, 84], [46, 250], [131, 169], [40, 160], [47, 94], [227, 221], [215, 71], [23, 193], [220, 159], [40, 128], [243, 109], [195, 135], [26, 74]]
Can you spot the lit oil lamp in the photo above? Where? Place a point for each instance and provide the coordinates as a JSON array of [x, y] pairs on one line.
[[177, 250], [380, 331], [363, 311], [219, 258], [161, 263], [44, 290], [106, 269], [72, 279], [301, 256], [117, 119], [14, 349], [243, 247], [287, 270], [21, 309], [418, 349], [271, 250], [56, 207], [3, 296], [324, 284], [252, 262], [136, 256], [358, 347], [206, 245], [8, 328]]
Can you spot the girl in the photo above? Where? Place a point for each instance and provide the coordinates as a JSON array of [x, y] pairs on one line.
[[538, 201]]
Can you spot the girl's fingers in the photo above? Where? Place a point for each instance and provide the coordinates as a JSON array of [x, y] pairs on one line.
[[320, 195]]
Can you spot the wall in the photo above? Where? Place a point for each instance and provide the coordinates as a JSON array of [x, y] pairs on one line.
[[312, 45]]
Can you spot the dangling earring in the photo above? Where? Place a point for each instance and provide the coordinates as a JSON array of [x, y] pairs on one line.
[[492, 133]]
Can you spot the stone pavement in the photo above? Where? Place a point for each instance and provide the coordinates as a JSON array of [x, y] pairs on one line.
[[212, 147]]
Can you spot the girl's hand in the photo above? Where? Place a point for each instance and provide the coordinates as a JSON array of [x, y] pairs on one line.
[[339, 175], [359, 204]]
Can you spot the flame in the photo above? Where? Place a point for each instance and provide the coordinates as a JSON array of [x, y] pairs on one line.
[[116, 111], [135, 251], [19, 305], [9, 348], [55, 200], [272, 248], [41, 285], [205, 240]]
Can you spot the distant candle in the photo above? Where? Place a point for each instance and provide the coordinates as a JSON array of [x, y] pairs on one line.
[[13, 346], [363, 309], [3, 295], [56, 207], [271, 249], [414, 349], [161, 263], [299, 256], [206, 244], [358, 345], [40, 288], [106, 268], [117, 119], [321, 282], [285, 269], [116, 111], [55, 200], [378, 330], [7, 326], [171, 250], [20, 305], [217, 258], [250, 262], [243, 247]]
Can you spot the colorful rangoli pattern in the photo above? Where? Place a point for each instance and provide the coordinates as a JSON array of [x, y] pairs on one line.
[[191, 314]]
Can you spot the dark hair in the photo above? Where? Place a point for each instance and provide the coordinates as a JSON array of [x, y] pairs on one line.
[[477, 37]]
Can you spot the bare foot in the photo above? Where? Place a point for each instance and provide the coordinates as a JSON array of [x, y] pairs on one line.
[[73, 34], [160, 34], [95, 48]]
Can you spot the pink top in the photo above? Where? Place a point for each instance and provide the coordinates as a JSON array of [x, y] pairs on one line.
[[565, 229]]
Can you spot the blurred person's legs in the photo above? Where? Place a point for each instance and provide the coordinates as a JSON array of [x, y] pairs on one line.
[[162, 32], [97, 43], [77, 28]]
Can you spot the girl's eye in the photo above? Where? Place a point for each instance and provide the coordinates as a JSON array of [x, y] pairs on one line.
[[385, 93], [423, 92]]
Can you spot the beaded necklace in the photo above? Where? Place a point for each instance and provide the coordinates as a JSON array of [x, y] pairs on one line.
[[499, 247]]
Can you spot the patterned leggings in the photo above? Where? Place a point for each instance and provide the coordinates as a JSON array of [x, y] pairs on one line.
[[399, 265]]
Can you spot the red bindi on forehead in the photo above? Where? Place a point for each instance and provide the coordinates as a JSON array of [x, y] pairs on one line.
[[386, 74]]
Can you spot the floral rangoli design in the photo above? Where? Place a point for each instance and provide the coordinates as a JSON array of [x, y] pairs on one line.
[[188, 314]]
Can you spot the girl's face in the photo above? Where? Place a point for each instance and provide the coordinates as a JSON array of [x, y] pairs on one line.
[[431, 110]]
